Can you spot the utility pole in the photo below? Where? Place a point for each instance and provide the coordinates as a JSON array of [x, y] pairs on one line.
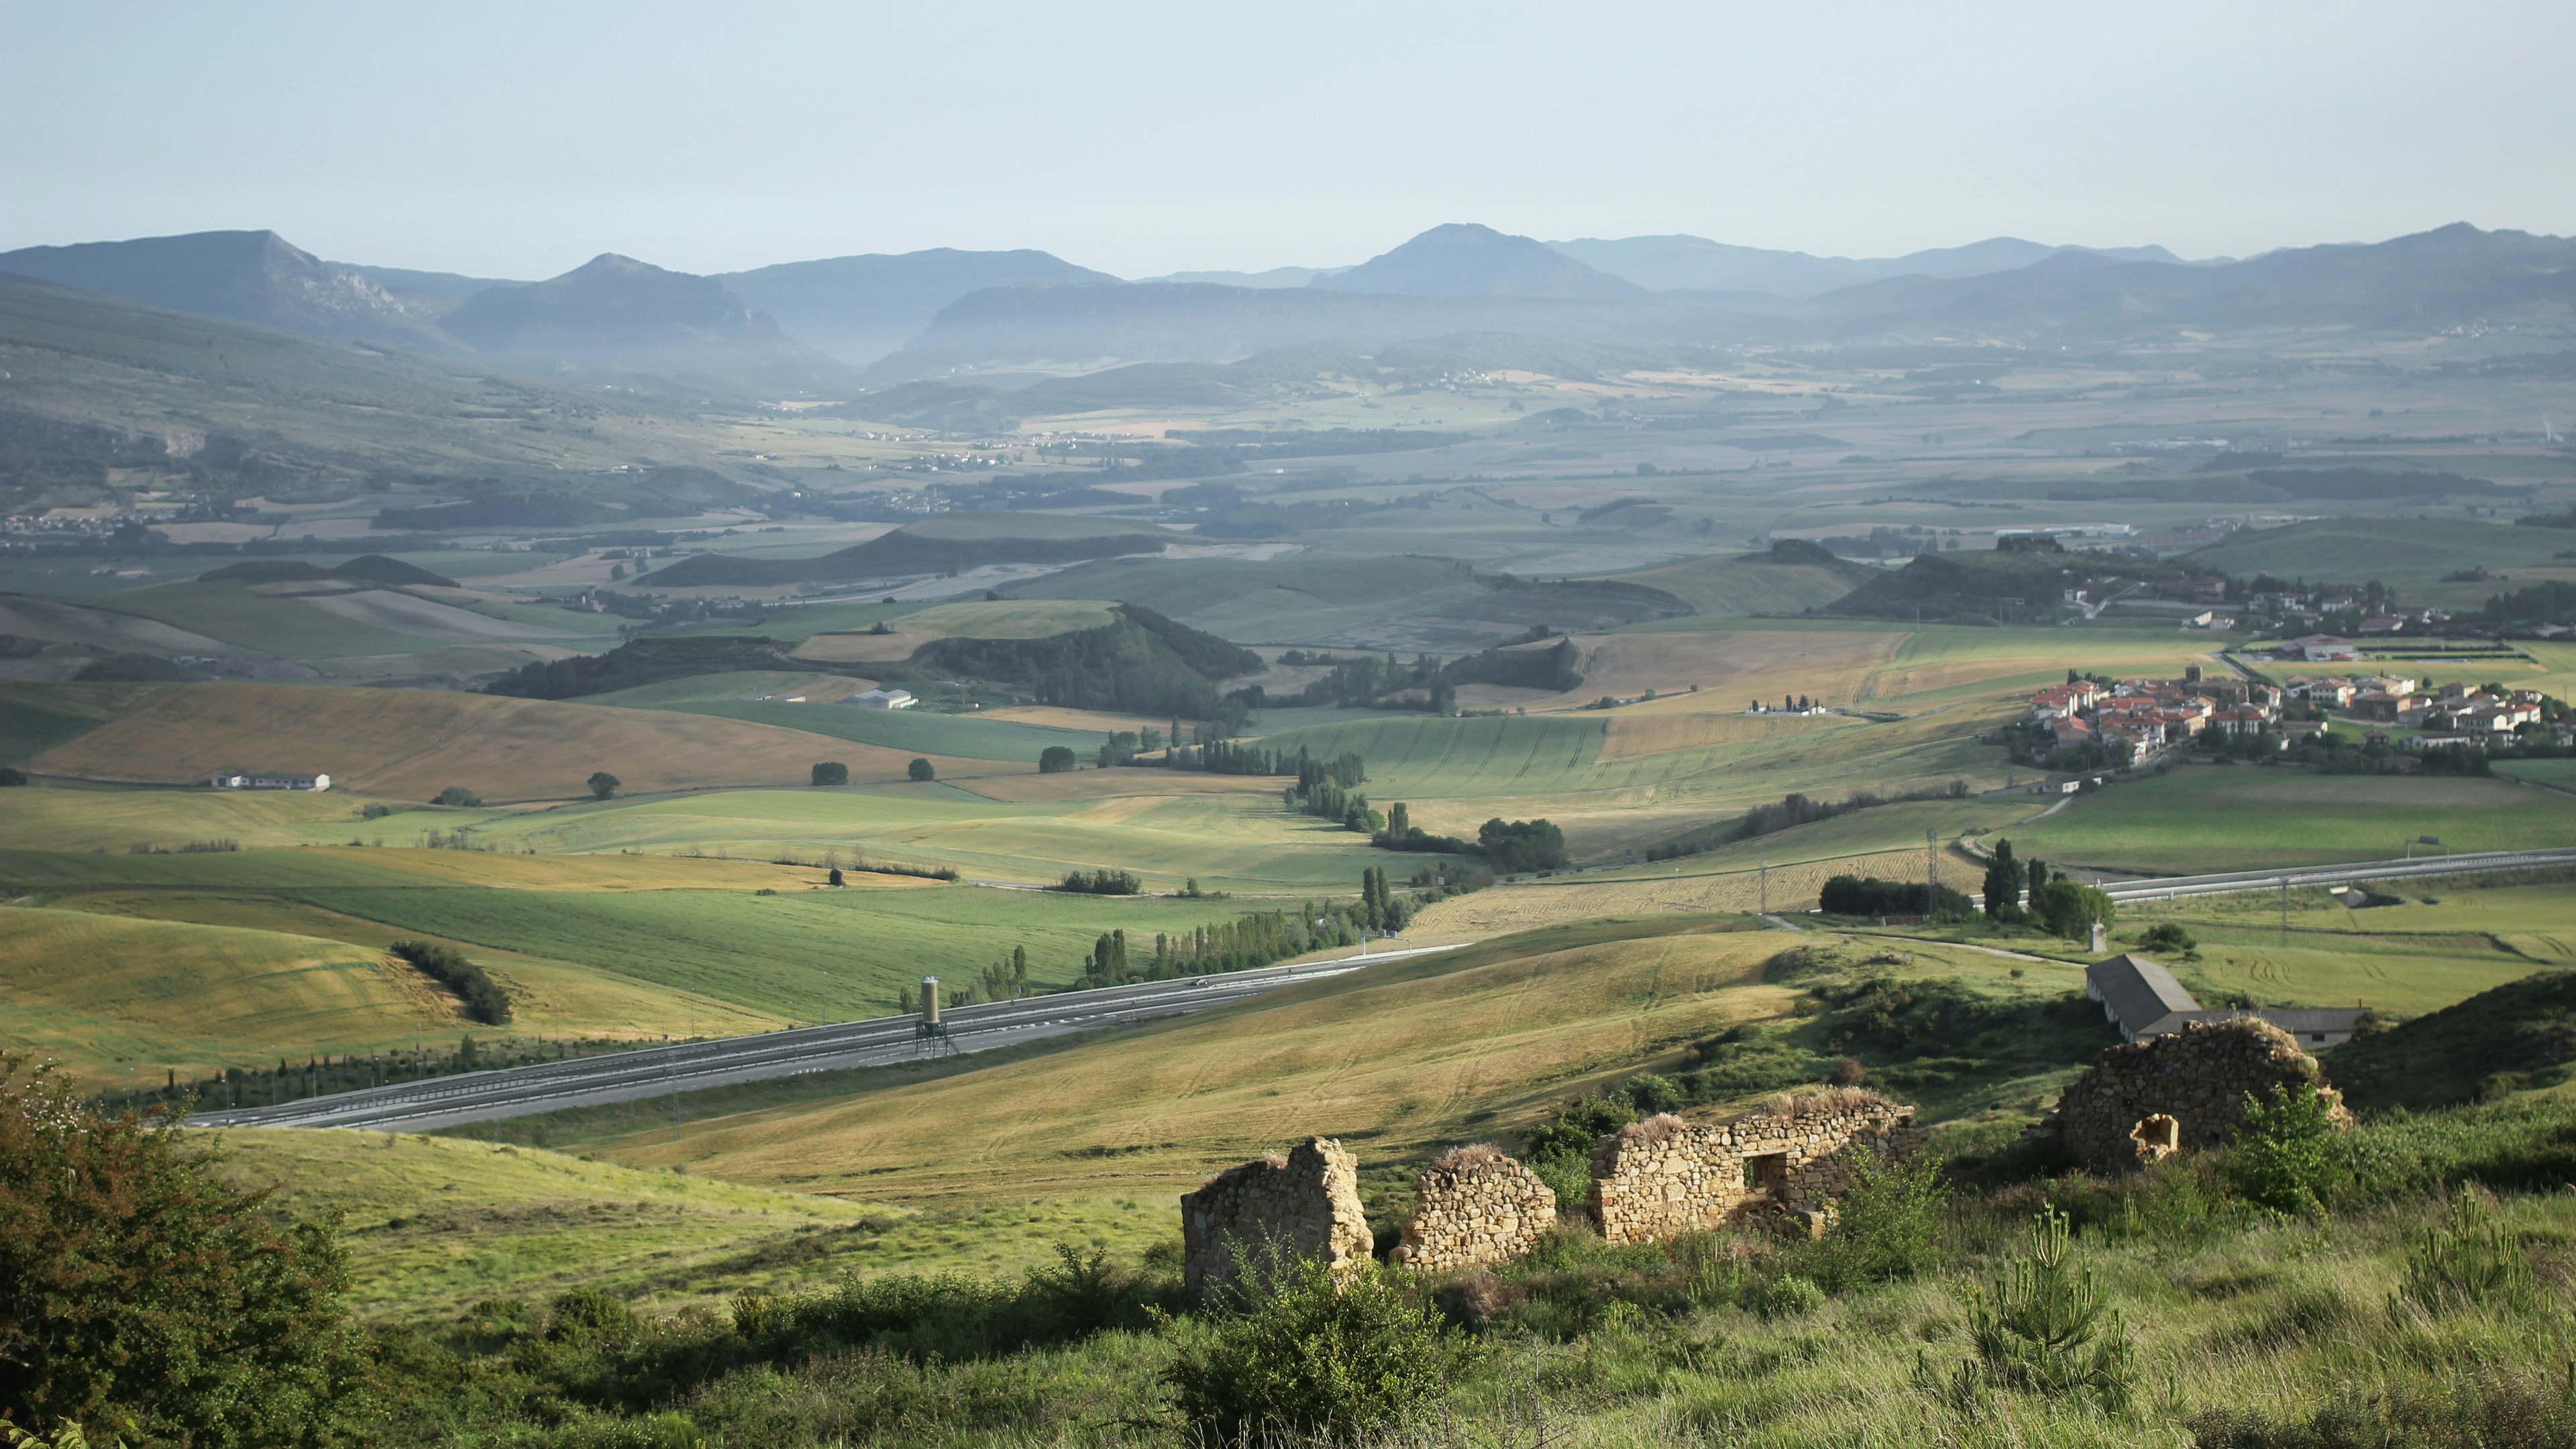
[[1766, 887], [2285, 910], [1931, 870]]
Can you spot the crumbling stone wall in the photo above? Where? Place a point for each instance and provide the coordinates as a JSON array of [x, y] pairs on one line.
[[1474, 1208], [2198, 1077], [1663, 1177], [1307, 1202]]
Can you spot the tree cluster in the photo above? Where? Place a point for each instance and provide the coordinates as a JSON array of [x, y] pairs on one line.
[[1102, 882], [484, 999], [1851, 895]]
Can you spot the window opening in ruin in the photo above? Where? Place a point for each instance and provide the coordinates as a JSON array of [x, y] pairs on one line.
[[1768, 1170]]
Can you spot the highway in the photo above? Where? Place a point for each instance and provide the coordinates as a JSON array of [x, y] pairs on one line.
[[886, 1040], [2165, 888], [693, 1066]]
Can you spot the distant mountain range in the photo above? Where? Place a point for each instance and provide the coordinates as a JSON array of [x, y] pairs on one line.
[[1696, 264], [1466, 292]]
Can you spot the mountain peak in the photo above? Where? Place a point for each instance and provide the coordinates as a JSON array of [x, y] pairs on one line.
[[1465, 259]]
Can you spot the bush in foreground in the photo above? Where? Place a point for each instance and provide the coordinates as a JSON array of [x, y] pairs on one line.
[[143, 1300], [1309, 1355]]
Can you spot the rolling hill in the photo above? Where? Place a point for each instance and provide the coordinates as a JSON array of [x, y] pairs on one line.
[[97, 381], [242, 276], [615, 316], [947, 543], [1462, 259], [858, 309]]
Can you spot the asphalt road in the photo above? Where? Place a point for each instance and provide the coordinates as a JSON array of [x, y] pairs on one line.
[[694, 1066], [2163, 888]]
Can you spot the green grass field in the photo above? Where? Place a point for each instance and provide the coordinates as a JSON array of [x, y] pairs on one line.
[[2449, 940], [962, 736], [2556, 774], [35, 718], [2200, 819], [1285, 601], [1237, 839]]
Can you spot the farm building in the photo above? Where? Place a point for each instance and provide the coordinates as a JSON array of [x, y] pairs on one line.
[[266, 780], [882, 699], [2143, 1000]]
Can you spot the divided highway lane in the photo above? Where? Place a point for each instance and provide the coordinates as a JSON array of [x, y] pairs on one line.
[[693, 1066], [2160, 888]]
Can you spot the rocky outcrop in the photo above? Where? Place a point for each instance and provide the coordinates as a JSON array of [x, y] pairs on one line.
[[1474, 1208], [2144, 1101], [1664, 1177], [1307, 1203]]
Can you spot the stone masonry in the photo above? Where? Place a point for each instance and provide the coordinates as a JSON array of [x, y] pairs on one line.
[[2184, 1092], [1663, 1177], [1474, 1208], [1307, 1203]]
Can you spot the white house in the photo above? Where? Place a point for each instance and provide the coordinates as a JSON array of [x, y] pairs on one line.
[[882, 699], [266, 780]]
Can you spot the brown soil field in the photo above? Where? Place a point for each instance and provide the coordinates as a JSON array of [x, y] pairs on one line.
[[411, 744], [1061, 718]]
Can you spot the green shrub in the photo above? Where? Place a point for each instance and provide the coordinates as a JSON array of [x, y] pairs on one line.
[[1888, 1224], [1055, 760], [2471, 1260], [919, 770], [2045, 1329], [827, 773], [2167, 936], [2284, 1156], [456, 795], [1310, 1355], [147, 1301], [1782, 1297]]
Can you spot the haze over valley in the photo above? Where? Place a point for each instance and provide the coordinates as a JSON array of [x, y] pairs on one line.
[[934, 728]]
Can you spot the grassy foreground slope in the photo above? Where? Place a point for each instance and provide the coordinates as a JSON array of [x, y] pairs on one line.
[[1394, 1060], [410, 744]]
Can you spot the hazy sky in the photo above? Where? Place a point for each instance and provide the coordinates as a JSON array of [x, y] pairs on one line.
[[520, 139]]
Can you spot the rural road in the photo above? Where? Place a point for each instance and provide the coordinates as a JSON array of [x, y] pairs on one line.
[[693, 1066]]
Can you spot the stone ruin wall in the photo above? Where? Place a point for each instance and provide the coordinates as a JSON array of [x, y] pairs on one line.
[[1475, 1208], [1664, 1177], [1307, 1203], [2142, 1101]]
